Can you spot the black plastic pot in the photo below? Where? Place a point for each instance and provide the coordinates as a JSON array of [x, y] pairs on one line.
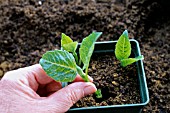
[[109, 47]]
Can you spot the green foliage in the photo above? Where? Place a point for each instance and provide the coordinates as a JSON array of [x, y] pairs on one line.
[[98, 93], [59, 65], [86, 50], [123, 47], [65, 39], [123, 50], [68, 44], [128, 61], [70, 47], [63, 66], [87, 47]]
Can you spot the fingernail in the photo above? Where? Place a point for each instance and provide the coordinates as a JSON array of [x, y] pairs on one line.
[[89, 89]]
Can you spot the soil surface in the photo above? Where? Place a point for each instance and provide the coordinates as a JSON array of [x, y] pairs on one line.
[[118, 85], [28, 28]]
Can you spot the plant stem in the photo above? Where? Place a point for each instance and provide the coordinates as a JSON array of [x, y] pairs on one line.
[[76, 57], [82, 74], [87, 69], [98, 92], [79, 62], [86, 75], [86, 79]]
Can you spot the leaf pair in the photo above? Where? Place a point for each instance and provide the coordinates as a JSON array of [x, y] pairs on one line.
[[123, 50], [68, 45]]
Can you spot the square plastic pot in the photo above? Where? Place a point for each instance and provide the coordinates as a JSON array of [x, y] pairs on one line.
[[109, 47]]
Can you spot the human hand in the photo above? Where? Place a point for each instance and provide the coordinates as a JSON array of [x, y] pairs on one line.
[[30, 90]]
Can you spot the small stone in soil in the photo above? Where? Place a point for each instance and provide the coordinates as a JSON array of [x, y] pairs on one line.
[[4, 65], [94, 67], [115, 75], [115, 83], [1, 73]]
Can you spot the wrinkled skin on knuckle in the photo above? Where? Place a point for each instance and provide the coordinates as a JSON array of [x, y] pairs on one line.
[[74, 95]]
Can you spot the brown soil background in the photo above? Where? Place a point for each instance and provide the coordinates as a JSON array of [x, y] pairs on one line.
[[28, 29]]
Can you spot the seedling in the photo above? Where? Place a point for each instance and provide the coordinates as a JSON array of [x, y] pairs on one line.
[[63, 65], [123, 50]]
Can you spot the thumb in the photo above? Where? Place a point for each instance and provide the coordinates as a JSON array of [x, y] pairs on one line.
[[67, 96]]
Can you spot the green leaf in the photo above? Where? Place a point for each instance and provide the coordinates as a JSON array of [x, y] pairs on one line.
[[98, 93], [87, 47], [68, 44], [59, 65], [70, 47], [123, 47], [128, 61], [65, 39]]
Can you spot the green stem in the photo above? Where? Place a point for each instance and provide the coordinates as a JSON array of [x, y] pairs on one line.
[[76, 57], [79, 62], [87, 69], [82, 74], [86, 79]]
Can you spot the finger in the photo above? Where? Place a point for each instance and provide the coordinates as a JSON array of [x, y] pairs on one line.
[[79, 79], [70, 94], [32, 76], [54, 86]]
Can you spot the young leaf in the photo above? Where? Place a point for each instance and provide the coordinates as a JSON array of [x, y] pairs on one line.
[[65, 39], [87, 47], [68, 44], [70, 47], [98, 93], [59, 65], [128, 61], [123, 47]]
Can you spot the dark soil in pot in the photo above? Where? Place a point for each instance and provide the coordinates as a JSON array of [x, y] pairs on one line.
[[118, 85]]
